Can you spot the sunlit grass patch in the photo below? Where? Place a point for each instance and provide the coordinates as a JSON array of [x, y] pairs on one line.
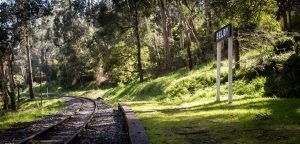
[[242, 121], [187, 86], [31, 110]]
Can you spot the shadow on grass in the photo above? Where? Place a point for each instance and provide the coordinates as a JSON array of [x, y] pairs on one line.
[[280, 110], [197, 131], [236, 122]]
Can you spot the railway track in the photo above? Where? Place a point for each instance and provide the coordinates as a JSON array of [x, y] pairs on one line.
[[108, 126], [67, 129], [82, 121]]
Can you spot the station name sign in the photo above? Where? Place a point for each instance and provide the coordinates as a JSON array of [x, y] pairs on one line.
[[223, 33]]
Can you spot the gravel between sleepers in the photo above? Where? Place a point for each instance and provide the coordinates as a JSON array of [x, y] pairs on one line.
[[106, 127]]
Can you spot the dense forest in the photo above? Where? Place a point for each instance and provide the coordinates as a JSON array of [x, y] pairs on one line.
[[66, 65], [76, 43]]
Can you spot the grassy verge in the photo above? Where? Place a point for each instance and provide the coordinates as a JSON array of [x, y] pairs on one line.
[[180, 107], [29, 111], [247, 120]]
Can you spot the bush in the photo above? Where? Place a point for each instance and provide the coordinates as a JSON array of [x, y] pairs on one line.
[[284, 45], [189, 85], [283, 79], [297, 44], [254, 87]]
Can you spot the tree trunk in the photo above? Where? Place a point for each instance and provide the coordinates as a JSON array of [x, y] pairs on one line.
[[30, 79], [181, 45], [4, 84], [191, 32], [285, 22], [190, 60], [12, 84], [89, 5], [208, 25], [290, 21], [18, 93], [169, 19], [138, 43], [188, 33], [167, 54], [157, 53], [41, 94], [70, 4], [236, 45]]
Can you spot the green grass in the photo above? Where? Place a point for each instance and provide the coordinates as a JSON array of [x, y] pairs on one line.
[[29, 111], [247, 120], [180, 107]]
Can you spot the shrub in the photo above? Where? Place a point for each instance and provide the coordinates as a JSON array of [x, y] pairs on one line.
[[284, 79], [297, 44], [284, 45], [254, 87], [189, 85]]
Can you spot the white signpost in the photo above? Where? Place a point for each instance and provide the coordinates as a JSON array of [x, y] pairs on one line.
[[221, 35]]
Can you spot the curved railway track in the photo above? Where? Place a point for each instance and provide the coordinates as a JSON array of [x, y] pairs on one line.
[[67, 129]]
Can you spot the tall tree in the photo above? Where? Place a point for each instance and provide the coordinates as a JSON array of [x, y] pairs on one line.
[[27, 12], [236, 45], [28, 54], [209, 28], [6, 44], [138, 41], [185, 35], [4, 84], [163, 5], [285, 9], [11, 80]]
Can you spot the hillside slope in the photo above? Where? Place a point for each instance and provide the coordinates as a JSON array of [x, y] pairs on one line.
[[180, 107]]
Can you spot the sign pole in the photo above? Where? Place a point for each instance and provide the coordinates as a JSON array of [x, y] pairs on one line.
[[219, 46], [230, 45], [222, 34]]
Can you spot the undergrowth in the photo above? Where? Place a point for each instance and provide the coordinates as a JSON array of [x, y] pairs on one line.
[[29, 111]]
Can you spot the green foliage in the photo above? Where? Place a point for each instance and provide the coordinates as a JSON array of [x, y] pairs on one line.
[[269, 23], [241, 13], [280, 72], [297, 44], [182, 86], [71, 36], [255, 87], [189, 85], [297, 48], [106, 39], [120, 63], [19, 80], [284, 45]]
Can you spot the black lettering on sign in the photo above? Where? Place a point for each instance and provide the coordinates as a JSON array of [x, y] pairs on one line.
[[223, 33]]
